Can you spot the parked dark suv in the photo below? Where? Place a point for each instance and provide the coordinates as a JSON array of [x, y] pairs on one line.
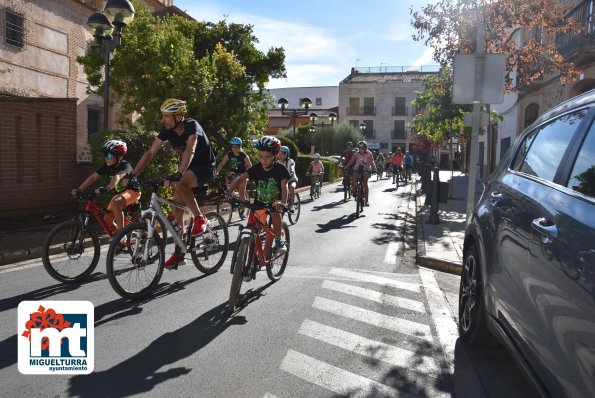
[[528, 279]]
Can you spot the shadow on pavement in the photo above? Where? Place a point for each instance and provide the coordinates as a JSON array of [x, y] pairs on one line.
[[336, 223], [140, 373], [327, 206]]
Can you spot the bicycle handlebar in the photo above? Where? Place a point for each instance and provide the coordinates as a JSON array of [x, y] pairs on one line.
[[256, 206]]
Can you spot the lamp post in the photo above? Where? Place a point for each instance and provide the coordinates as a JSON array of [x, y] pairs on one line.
[[332, 116], [362, 128], [116, 15], [304, 103]]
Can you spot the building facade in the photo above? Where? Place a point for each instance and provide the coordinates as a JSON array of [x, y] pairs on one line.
[[382, 101]]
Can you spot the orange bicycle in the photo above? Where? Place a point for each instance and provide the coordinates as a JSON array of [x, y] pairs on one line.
[[254, 250]]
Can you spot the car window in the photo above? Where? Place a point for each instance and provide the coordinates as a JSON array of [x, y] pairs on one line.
[[523, 149], [582, 178], [549, 145]]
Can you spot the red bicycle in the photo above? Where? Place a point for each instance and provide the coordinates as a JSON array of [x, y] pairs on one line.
[[71, 250], [254, 250]]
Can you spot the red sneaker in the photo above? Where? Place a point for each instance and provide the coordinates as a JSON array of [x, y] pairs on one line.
[[174, 261], [200, 225]]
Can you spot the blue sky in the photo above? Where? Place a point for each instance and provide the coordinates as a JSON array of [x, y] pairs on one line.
[[323, 40]]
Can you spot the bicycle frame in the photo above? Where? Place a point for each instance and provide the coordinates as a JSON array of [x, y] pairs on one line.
[[96, 209], [256, 228]]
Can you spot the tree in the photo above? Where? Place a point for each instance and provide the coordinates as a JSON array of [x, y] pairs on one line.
[[448, 26], [214, 67]]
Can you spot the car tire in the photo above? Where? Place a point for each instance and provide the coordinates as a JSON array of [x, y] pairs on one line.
[[473, 315]]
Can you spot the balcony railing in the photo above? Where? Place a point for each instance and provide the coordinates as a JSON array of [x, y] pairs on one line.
[[396, 134], [366, 111], [370, 133], [400, 111], [571, 42]]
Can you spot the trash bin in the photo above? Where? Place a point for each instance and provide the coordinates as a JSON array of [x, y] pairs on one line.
[[443, 194]]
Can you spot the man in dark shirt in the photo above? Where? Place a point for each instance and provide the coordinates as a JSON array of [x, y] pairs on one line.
[[197, 164]]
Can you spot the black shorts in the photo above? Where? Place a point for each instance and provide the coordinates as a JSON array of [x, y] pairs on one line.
[[396, 169], [203, 173]]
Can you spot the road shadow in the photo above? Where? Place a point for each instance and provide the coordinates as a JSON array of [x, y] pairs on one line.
[[140, 373], [336, 223], [330, 205], [250, 296]]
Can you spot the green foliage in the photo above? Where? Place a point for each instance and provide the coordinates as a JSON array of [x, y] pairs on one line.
[[213, 66], [331, 169], [293, 148], [332, 141]]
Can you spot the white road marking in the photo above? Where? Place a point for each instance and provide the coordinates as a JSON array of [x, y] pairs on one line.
[[392, 253], [360, 276], [269, 395], [373, 295], [335, 379], [446, 326], [394, 324], [370, 348]]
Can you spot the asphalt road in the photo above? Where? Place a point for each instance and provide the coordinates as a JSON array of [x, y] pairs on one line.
[[352, 316]]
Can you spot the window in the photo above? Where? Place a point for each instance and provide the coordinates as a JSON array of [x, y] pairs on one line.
[[399, 130], [94, 121], [318, 101], [504, 146], [15, 28], [369, 106], [582, 178], [369, 131], [400, 108], [353, 106], [545, 152], [531, 113]]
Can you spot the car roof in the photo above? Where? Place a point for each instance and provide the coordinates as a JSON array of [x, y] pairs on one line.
[[579, 100]]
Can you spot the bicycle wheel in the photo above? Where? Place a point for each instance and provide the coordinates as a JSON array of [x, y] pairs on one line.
[[278, 262], [358, 199], [130, 276], [225, 209], [346, 189], [240, 261], [295, 216], [312, 192], [70, 252], [209, 249]]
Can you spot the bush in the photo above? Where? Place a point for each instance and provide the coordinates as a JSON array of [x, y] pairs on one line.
[[331, 169], [293, 149]]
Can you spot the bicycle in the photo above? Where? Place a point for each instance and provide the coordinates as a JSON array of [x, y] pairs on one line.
[[254, 250], [380, 171], [71, 250], [359, 191], [226, 208], [347, 173], [315, 190], [294, 214], [134, 272]]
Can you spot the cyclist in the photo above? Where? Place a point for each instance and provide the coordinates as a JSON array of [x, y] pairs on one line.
[[407, 164], [197, 164], [289, 164], [316, 169], [362, 163], [397, 163], [271, 179], [347, 153], [380, 162], [239, 162], [115, 167]]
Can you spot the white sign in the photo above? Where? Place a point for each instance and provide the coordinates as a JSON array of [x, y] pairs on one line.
[[492, 85]]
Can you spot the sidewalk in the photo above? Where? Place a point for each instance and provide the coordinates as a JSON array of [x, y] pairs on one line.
[[440, 246]]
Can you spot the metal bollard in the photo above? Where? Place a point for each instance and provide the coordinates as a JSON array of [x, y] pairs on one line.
[[424, 174], [434, 219]]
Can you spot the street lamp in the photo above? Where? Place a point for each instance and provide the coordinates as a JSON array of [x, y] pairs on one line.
[[332, 116], [304, 103], [362, 128], [116, 15]]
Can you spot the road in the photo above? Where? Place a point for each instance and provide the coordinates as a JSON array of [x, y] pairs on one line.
[[352, 316]]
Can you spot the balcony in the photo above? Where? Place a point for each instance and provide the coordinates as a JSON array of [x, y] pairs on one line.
[[398, 134], [579, 47], [361, 111], [400, 111]]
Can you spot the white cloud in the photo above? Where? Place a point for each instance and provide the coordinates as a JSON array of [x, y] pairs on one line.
[[425, 58], [400, 31]]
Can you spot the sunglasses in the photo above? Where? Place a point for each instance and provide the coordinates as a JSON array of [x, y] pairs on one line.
[[108, 155]]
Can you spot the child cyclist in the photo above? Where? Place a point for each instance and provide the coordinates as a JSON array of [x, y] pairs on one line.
[[362, 163], [239, 162], [115, 167], [271, 179], [289, 164], [316, 169]]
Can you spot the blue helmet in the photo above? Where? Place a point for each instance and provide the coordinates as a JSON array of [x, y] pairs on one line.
[[236, 141], [285, 149]]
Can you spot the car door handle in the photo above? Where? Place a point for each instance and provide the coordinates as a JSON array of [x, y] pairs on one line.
[[547, 230]]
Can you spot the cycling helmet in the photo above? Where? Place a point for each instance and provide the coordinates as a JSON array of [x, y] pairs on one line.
[[316, 155], [173, 106], [285, 149], [362, 144], [236, 141], [116, 147], [348, 143], [269, 144]]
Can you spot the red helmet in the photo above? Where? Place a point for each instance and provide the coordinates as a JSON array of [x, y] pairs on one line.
[[268, 143]]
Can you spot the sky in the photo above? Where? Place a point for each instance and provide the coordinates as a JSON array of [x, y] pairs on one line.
[[324, 39]]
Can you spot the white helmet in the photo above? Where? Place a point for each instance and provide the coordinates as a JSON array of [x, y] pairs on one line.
[[316, 155], [116, 147]]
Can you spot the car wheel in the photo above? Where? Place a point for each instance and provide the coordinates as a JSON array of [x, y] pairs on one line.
[[473, 315]]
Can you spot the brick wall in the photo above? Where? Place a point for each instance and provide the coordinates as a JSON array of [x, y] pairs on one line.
[[38, 155]]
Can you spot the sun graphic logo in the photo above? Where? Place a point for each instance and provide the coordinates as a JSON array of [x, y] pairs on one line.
[[56, 337]]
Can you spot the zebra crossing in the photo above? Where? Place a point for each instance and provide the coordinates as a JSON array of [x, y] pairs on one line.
[[379, 293]]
